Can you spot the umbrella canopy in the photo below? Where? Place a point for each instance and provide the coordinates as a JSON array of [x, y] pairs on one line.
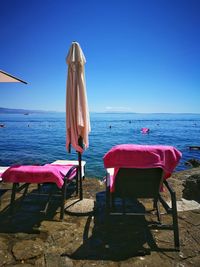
[[77, 114], [8, 78]]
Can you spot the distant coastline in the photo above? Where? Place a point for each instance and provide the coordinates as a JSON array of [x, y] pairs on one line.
[[146, 113], [27, 111], [20, 111]]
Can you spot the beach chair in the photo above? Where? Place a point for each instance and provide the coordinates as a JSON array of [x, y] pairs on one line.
[[140, 172], [54, 174]]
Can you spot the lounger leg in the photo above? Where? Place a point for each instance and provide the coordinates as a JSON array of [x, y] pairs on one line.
[[48, 200], [154, 203], [62, 208], [124, 205], [175, 222], [112, 200], [108, 196], [107, 214], [39, 188], [25, 190], [174, 215], [14, 189], [77, 184], [157, 207]]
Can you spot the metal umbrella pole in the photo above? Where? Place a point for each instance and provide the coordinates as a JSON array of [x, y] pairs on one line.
[[80, 142]]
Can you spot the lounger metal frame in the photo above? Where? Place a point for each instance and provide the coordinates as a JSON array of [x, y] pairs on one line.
[[142, 183], [17, 187]]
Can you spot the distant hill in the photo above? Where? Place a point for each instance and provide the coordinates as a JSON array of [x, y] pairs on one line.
[[19, 111]]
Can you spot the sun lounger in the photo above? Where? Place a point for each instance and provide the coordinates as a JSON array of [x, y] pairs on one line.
[[139, 172], [61, 175], [72, 162]]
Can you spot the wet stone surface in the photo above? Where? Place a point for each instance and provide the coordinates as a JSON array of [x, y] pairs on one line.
[[31, 238]]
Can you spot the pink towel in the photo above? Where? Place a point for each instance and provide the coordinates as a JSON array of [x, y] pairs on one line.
[[38, 174], [142, 156]]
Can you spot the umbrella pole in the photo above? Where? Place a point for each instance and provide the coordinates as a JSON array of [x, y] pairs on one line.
[[80, 176], [80, 142]]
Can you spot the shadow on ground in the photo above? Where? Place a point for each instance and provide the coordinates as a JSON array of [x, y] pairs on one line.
[[29, 210], [81, 237], [124, 237]]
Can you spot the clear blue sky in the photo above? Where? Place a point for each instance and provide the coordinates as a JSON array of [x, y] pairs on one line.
[[142, 55]]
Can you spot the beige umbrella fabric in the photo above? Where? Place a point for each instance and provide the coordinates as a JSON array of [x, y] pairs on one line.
[[77, 113], [8, 78]]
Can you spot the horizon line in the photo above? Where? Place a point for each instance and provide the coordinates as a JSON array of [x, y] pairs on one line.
[[101, 112]]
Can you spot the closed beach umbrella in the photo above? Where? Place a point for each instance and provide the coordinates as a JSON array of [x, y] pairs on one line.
[[8, 78], [77, 113]]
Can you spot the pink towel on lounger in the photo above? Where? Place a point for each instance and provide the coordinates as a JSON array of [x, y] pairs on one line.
[[142, 156], [38, 174]]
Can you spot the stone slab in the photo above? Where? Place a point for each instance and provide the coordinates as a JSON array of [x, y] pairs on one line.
[[81, 207]]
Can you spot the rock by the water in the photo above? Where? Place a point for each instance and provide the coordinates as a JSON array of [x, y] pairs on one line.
[[194, 163], [191, 189]]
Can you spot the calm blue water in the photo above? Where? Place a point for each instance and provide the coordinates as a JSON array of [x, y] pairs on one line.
[[40, 138]]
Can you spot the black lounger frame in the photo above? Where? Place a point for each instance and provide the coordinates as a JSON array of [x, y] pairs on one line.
[[19, 187], [142, 183]]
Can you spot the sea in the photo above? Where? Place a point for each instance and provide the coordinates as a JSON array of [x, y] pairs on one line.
[[41, 138]]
